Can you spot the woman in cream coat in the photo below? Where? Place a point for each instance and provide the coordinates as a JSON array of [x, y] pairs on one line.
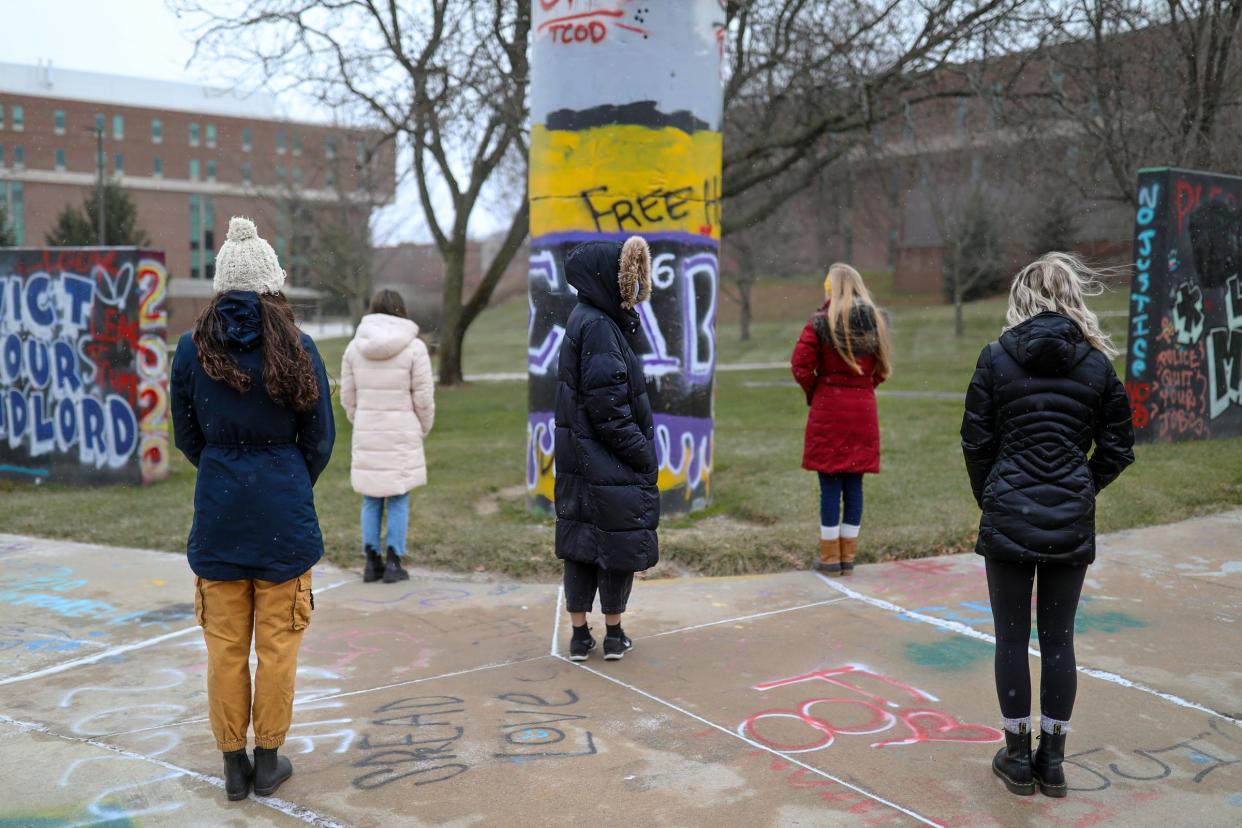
[[389, 396]]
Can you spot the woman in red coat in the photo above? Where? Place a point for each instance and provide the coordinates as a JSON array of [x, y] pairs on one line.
[[842, 355]]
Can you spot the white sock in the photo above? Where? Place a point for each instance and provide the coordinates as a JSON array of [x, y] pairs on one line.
[[848, 531], [829, 532], [1053, 726], [1022, 725]]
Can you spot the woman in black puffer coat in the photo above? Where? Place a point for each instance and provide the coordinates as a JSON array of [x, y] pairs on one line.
[[607, 502], [1040, 397]]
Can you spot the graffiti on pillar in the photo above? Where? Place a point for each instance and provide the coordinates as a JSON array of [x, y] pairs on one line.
[[1184, 357], [83, 365], [632, 155]]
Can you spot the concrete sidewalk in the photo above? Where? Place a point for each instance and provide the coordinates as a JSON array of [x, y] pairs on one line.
[[761, 701]]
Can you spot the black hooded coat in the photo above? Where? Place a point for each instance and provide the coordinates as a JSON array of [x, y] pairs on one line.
[[1039, 398], [607, 502]]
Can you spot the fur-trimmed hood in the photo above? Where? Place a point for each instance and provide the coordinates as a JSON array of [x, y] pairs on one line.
[[613, 277], [864, 335]]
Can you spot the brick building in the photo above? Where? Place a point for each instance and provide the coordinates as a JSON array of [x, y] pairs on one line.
[[189, 156]]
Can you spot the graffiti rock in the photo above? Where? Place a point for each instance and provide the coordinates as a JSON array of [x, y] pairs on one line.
[[630, 154]]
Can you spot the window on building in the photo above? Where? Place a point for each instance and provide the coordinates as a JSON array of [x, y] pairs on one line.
[[877, 135], [211, 135], [193, 134], [19, 118], [211, 170], [118, 127], [297, 176], [58, 121], [247, 174], [1, 116], [329, 147], [995, 106], [196, 237], [360, 152], [246, 139], [157, 131], [891, 253], [280, 174], [13, 199], [19, 156], [907, 122], [280, 142], [297, 144], [194, 168], [329, 177], [157, 167], [976, 169], [1, 155], [99, 121], [202, 237], [60, 159], [895, 181], [959, 116], [118, 163]]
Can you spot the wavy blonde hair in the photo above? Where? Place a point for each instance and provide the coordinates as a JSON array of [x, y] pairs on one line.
[[1060, 282], [847, 289]]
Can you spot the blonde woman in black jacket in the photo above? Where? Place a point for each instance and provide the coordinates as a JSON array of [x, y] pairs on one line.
[[1041, 396]]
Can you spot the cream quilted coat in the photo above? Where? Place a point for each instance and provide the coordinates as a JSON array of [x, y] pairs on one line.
[[389, 396]]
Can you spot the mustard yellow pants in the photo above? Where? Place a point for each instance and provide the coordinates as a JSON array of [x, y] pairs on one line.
[[230, 613]]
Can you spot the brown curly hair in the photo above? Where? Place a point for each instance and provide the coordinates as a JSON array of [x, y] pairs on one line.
[[288, 372]]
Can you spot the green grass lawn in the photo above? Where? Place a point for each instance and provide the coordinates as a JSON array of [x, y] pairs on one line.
[[764, 511]]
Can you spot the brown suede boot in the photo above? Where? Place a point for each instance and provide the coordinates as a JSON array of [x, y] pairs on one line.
[[829, 557], [849, 548]]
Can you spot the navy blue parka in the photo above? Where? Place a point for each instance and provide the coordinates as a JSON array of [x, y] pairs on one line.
[[257, 459]]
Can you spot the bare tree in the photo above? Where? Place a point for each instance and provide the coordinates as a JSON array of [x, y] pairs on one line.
[[446, 78], [1126, 84], [808, 81]]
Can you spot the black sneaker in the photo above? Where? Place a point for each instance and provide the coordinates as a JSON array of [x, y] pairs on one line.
[[393, 570], [580, 646], [615, 646]]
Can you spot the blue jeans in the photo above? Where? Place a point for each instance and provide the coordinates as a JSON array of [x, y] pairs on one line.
[[832, 487], [398, 520]]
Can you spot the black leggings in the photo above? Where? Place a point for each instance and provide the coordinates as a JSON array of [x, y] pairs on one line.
[[582, 580], [1009, 587]]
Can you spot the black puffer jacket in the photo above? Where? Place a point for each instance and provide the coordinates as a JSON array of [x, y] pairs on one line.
[[607, 503], [1040, 397]]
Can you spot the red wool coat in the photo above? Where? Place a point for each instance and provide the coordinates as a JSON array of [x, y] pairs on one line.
[[842, 427]]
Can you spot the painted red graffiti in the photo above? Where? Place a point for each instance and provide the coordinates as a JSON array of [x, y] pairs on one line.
[[1139, 393], [872, 714], [1181, 391], [1188, 195], [585, 26]]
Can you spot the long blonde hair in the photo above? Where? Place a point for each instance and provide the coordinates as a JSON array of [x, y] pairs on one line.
[[847, 290], [1059, 282]]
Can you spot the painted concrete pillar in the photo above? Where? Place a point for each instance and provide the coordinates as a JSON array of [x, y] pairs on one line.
[[625, 139]]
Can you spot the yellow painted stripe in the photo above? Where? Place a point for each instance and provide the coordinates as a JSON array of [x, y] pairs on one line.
[[625, 178]]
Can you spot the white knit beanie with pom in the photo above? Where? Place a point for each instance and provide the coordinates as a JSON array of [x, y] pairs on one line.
[[247, 262]]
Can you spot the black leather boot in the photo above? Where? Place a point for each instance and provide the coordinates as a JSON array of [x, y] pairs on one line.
[[270, 770], [237, 774], [1048, 770], [1012, 763], [393, 571], [375, 566]]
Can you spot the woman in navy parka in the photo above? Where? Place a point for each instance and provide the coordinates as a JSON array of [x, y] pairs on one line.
[[252, 411]]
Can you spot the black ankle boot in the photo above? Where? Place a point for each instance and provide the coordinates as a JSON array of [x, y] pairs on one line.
[[393, 571], [1047, 768], [270, 769], [237, 774], [1012, 763], [375, 566]]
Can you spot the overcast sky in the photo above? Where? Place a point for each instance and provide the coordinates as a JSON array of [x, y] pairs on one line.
[[144, 38]]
